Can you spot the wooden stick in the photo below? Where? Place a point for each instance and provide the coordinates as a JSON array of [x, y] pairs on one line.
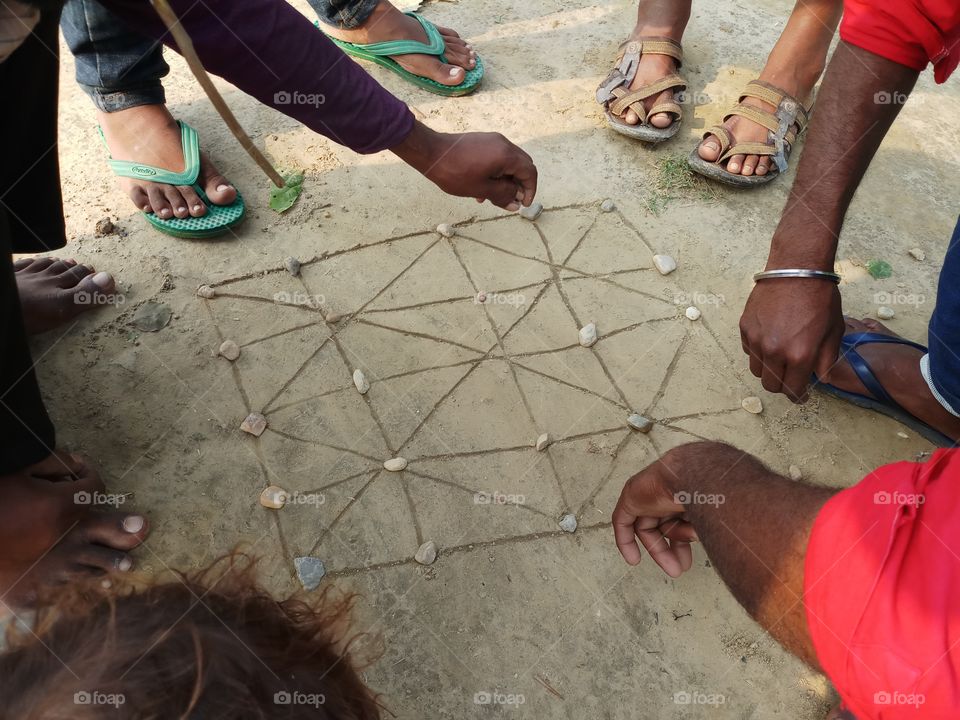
[[172, 22]]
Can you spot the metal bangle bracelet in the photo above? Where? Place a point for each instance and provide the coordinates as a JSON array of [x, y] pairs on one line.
[[797, 273]]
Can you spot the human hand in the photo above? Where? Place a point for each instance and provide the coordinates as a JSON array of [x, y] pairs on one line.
[[791, 328], [485, 166]]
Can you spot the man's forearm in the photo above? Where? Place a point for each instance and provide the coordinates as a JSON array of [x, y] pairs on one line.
[[860, 98], [755, 525]]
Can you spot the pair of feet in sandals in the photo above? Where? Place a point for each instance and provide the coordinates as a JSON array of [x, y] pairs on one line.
[[149, 135]]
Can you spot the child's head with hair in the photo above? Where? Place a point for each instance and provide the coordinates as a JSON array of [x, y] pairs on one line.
[[209, 645]]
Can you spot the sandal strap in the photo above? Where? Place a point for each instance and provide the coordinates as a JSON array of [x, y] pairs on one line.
[[773, 95], [747, 148], [189, 142], [625, 69], [726, 139], [435, 44], [664, 107], [625, 99], [863, 370]]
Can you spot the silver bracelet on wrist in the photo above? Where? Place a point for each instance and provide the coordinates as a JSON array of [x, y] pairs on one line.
[[797, 273]]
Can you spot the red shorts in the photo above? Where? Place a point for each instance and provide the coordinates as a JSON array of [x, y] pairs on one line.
[[909, 32], [882, 591]]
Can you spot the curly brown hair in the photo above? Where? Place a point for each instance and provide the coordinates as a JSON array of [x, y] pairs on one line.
[[211, 644]]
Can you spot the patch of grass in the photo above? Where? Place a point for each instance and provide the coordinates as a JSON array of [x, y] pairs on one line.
[[675, 180]]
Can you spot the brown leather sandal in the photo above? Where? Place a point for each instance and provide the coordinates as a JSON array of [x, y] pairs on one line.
[[616, 97], [790, 120]]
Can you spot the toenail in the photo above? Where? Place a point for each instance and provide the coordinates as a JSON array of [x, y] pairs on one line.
[[102, 279], [513, 207], [221, 188], [124, 564], [133, 523], [181, 209], [146, 208], [197, 208], [71, 262]]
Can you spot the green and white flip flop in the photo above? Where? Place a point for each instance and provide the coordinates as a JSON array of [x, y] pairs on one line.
[[218, 218], [380, 53]]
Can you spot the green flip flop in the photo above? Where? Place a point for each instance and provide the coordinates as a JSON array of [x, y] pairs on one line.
[[216, 221], [380, 53]]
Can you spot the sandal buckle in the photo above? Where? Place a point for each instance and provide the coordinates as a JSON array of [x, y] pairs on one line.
[[787, 115]]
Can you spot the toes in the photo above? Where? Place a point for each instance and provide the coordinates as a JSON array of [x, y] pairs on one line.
[[431, 67], [97, 283], [97, 557], [763, 167], [630, 117], [158, 202], [58, 267], [140, 198], [176, 201], [215, 185], [34, 265], [70, 277], [661, 120], [735, 164], [58, 465], [709, 149], [749, 164], [195, 206], [23, 264], [116, 530], [449, 34]]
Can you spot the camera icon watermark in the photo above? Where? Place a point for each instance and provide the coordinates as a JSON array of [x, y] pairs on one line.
[[495, 697], [498, 498], [99, 499], [884, 97], [95, 697], [98, 298], [698, 299], [899, 298], [696, 697], [284, 697], [286, 97], [698, 498], [299, 298], [885, 698], [516, 299], [883, 497]]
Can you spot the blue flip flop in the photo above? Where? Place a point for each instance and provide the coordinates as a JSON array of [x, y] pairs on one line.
[[881, 401]]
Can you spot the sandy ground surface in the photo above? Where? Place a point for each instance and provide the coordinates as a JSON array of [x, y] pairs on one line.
[[513, 605]]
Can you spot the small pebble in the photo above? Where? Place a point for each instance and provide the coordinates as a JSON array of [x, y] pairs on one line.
[[532, 212], [104, 226], [639, 422], [693, 313], [481, 297], [274, 497], [543, 442], [426, 553], [310, 571], [255, 424], [292, 265], [568, 523], [588, 334], [230, 350], [608, 205], [327, 214], [448, 231], [360, 380], [205, 291], [395, 464], [918, 254], [333, 318], [796, 473], [152, 317], [752, 404], [903, 435], [886, 313], [664, 264]]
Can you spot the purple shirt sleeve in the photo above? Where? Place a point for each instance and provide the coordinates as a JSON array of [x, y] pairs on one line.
[[273, 53]]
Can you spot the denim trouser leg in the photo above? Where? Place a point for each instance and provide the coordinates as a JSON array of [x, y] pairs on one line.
[[942, 365], [346, 14], [116, 67]]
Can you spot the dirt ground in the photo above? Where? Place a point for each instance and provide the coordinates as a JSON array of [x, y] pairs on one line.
[[515, 611]]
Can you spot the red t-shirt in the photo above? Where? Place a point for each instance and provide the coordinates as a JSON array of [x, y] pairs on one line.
[[909, 32]]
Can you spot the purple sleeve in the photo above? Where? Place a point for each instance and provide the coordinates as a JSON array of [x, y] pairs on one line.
[[272, 52]]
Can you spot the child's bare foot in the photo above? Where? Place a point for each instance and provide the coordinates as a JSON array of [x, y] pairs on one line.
[[387, 23], [54, 291], [897, 368], [148, 134], [49, 534]]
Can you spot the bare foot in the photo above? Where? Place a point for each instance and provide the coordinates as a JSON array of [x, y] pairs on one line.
[[148, 134], [53, 291], [388, 23], [49, 535], [897, 367]]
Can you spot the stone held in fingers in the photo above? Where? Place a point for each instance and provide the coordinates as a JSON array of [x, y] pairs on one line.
[[543, 442], [886, 313], [607, 206], [152, 316], [274, 497], [752, 405], [426, 553], [532, 212], [360, 380], [230, 350], [254, 423], [395, 464], [447, 230], [639, 422], [588, 334], [310, 571], [693, 313], [568, 523], [292, 265], [664, 264], [206, 292]]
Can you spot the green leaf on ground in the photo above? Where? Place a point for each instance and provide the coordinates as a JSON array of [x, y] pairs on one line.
[[282, 199], [879, 269]]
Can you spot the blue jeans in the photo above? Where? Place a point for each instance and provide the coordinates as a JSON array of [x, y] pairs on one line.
[[120, 69], [942, 365]]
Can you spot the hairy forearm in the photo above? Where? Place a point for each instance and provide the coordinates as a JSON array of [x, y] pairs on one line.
[[755, 525], [849, 123]]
